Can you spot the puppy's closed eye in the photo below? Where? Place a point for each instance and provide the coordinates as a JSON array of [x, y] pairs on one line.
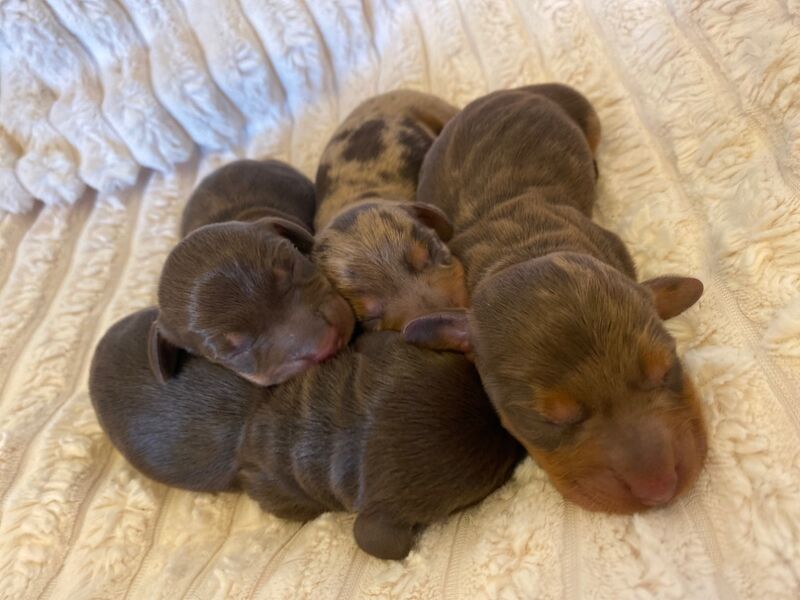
[[238, 343], [280, 275], [283, 279], [421, 258], [660, 367], [559, 408], [369, 310], [418, 257]]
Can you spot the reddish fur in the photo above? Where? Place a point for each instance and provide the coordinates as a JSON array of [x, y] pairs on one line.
[[571, 349], [566, 465], [558, 406]]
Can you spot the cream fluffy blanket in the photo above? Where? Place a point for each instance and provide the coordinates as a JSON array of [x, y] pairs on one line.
[[700, 174]]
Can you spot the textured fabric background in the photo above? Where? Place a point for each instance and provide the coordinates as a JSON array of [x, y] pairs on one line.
[[700, 174]]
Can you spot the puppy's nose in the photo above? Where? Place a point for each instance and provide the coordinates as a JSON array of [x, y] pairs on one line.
[[654, 489]]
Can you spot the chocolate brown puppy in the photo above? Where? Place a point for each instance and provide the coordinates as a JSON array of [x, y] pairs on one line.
[[247, 190], [240, 289], [401, 435], [571, 349], [384, 252]]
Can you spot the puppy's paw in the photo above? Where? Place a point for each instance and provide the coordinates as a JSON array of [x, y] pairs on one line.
[[383, 536]]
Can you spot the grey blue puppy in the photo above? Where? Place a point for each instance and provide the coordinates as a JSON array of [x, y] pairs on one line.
[[401, 435], [240, 288]]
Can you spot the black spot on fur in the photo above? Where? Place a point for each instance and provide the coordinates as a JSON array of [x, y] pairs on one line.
[[366, 142], [341, 135], [413, 136], [416, 142], [323, 183]]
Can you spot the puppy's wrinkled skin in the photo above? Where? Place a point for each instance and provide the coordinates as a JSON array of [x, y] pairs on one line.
[[240, 289], [385, 253], [401, 435], [571, 349]]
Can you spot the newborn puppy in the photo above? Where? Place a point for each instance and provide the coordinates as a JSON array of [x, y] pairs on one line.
[[401, 435], [384, 252], [240, 289], [247, 190], [571, 349]]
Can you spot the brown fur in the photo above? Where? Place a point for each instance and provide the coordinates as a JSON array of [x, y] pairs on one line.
[[383, 252], [401, 435], [246, 190], [240, 288], [571, 349]]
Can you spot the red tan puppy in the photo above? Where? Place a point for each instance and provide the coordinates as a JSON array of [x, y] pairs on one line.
[[571, 349]]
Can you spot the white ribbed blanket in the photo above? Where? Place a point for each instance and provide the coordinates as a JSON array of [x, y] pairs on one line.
[[700, 174]]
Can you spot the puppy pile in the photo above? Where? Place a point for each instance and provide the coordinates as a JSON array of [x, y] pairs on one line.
[[528, 332]]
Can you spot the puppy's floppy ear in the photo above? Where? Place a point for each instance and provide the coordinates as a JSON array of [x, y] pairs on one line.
[[443, 330], [672, 294], [162, 354], [433, 119], [295, 233], [433, 217]]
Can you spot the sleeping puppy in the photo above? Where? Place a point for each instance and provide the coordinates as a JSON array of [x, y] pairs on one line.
[[384, 252], [571, 349], [240, 289], [401, 435], [247, 190]]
